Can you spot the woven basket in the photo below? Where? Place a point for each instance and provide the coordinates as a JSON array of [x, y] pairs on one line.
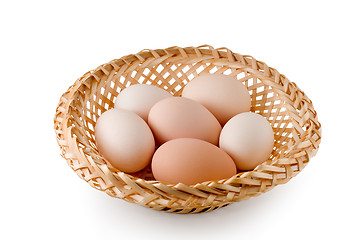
[[286, 107]]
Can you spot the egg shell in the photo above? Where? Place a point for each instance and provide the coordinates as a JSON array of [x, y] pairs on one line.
[[223, 95], [124, 139], [248, 138], [140, 98], [191, 161], [179, 117]]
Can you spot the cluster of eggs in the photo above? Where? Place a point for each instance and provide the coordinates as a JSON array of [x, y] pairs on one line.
[[207, 134]]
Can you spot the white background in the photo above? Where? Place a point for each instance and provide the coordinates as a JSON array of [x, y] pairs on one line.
[[45, 46]]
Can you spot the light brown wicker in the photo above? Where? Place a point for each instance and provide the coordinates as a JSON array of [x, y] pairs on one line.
[[287, 108]]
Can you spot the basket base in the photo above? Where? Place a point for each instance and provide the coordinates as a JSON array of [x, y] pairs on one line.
[[193, 210]]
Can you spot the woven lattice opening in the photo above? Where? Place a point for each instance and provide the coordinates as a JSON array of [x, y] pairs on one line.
[[286, 107]]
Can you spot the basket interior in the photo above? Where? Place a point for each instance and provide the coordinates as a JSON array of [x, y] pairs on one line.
[[172, 75]]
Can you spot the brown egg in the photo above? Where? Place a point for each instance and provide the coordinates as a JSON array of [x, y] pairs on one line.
[[191, 161], [248, 138], [140, 98], [179, 117], [124, 139], [223, 95]]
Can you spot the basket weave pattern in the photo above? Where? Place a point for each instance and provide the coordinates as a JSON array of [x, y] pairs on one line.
[[286, 107]]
